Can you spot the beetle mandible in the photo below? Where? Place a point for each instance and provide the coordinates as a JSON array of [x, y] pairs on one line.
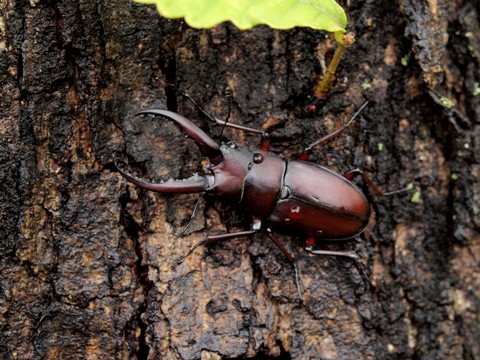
[[290, 196]]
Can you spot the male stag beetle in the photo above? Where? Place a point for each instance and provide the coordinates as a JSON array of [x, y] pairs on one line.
[[293, 196]]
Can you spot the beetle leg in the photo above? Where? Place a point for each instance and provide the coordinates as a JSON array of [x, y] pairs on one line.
[[349, 254], [211, 239], [352, 174], [311, 241], [257, 224], [290, 259], [190, 252], [306, 153], [192, 217], [281, 247]]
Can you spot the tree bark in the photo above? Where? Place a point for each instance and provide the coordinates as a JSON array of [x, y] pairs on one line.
[[87, 266]]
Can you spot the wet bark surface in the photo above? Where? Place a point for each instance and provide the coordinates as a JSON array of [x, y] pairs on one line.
[[87, 266]]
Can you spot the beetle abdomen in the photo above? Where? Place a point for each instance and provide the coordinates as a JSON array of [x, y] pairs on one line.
[[320, 203]]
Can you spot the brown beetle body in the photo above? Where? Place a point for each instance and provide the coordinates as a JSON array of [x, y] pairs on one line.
[[292, 196]]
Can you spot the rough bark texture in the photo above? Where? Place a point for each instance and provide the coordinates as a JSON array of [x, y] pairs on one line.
[[86, 259]]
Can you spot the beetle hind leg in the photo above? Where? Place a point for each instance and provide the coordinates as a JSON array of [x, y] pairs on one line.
[[290, 259], [352, 174], [306, 153], [310, 242]]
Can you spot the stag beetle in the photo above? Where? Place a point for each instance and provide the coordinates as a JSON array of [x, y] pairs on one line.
[[293, 196]]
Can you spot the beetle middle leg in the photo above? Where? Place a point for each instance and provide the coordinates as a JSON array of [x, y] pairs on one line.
[[256, 226], [306, 153], [211, 239]]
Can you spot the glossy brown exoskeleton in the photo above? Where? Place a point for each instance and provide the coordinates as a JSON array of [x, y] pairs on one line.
[[290, 196]]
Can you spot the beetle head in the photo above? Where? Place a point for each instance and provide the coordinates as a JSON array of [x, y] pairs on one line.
[[230, 173]]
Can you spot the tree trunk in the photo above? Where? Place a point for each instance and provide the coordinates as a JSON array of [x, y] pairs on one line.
[[88, 261]]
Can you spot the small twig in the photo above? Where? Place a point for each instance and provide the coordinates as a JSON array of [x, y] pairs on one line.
[[325, 84]]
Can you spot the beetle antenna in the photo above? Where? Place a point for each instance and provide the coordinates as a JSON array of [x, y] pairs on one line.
[[191, 216], [204, 112]]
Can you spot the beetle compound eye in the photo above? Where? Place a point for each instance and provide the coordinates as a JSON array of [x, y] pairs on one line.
[[257, 158]]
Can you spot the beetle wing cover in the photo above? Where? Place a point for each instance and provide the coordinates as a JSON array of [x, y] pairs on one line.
[[320, 203]]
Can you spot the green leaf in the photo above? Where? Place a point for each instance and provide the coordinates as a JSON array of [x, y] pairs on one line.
[[245, 14]]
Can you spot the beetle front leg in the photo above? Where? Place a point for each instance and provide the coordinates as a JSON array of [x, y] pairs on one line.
[[265, 142]]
